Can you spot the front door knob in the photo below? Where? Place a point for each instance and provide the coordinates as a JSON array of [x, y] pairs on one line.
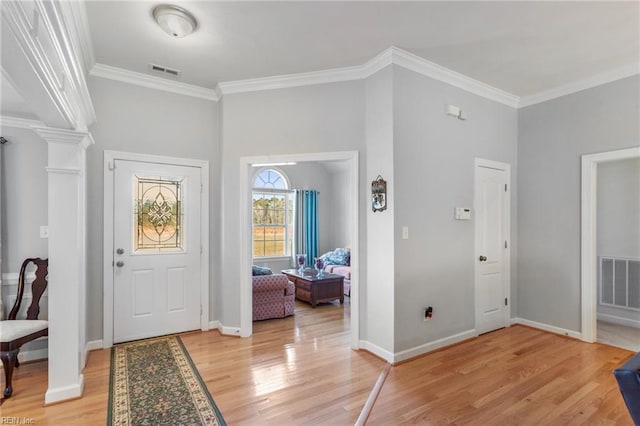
[[119, 263], [120, 251], [483, 258]]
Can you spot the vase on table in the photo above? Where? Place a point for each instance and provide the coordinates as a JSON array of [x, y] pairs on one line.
[[319, 264], [301, 259]]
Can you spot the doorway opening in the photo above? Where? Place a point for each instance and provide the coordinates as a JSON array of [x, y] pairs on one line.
[[590, 276], [346, 161]]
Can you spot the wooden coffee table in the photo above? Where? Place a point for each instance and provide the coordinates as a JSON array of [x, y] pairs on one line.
[[314, 290]]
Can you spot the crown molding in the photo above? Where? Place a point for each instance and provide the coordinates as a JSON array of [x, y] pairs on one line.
[[577, 86], [19, 123], [391, 55], [71, 33], [48, 66], [438, 72], [152, 82], [333, 75], [82, 35]]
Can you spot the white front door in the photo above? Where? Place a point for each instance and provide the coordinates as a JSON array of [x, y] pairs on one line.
[[492, 245], [157, 246]]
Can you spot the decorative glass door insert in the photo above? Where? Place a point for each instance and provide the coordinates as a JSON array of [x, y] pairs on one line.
[[158, 214]]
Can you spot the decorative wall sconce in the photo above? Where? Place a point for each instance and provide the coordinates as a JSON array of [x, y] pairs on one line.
[[378, 194]]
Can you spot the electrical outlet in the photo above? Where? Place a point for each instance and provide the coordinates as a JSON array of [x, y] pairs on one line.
[[44, 232], [428, 313]]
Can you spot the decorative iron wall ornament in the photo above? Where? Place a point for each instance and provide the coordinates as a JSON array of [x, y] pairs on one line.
[[378, 194]]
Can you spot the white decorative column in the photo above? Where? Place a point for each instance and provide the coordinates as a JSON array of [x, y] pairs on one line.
[[67, 260]]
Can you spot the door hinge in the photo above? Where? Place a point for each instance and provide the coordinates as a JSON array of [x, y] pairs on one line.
[[505, 244], [201, 249], [505, 187], [111, 164], [200, 309], [201, 188], [505, 302]]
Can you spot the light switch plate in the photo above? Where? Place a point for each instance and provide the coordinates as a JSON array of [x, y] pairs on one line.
[[405, 232], [44, 231]]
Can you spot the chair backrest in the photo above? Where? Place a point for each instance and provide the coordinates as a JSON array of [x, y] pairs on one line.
[[38, 287]]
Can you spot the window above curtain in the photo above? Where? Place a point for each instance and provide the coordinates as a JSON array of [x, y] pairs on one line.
[[272, 203]]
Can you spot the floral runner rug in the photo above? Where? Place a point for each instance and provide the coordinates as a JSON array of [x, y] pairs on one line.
[[154, 382]]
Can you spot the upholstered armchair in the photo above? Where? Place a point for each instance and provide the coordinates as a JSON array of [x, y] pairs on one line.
[[628, 377], [273, 297]]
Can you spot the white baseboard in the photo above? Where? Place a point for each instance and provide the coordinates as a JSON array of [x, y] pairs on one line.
[[432, 346], [547, 327], [65, 392], [377, 351], [619, 320], [93, 345], [228, 331]]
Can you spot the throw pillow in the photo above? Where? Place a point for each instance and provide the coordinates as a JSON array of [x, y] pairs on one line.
[[260, 270], [339, 256], [342, 256]]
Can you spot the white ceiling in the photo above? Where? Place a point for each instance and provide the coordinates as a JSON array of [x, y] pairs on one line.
[[520, 47]]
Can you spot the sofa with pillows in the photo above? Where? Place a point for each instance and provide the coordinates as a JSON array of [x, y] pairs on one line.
[[338, 262]]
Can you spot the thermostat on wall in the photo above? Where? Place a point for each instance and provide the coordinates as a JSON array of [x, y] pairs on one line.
[[462, 213]]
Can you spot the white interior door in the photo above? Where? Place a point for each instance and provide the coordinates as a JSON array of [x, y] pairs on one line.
[[157, 247], [492, 245]]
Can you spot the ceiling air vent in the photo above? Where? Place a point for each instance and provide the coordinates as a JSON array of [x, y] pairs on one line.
[[164, 70]]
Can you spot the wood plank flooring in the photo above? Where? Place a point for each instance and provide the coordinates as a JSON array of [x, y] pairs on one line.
[[300, 370], [618, 335], [517, 375]]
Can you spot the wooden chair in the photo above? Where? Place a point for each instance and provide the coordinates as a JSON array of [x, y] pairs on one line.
[[15, 333]]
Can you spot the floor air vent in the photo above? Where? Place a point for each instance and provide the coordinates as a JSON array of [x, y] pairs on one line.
[[164, 70]]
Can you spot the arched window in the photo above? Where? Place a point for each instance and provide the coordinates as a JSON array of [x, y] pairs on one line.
[[272, 214]]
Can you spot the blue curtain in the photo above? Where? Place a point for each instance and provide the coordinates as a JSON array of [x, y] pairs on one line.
[[306, 224]]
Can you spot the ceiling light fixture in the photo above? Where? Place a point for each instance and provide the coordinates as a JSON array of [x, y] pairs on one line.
[[174, 20]]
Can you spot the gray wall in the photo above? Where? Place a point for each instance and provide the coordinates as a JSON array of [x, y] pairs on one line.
[[137, 119], [24, 197], [340, 219], [434, 172], [320, 118], [552, 136], [619, 208]]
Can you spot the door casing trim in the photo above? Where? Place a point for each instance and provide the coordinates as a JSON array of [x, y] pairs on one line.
[[588, 233], [506, 167], [107, 258], [246, 292]]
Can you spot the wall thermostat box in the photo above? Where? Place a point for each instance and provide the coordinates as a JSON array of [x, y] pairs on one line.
[[462, 213]]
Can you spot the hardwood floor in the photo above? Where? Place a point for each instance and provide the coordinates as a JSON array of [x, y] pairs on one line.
[[300, 370], [618, 335], [517, 375]]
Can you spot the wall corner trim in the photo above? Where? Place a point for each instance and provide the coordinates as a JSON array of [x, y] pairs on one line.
[[547, 327], [227, 331], [152, 82], [64, 393], [377, 351], [20, 123], [434, 345], [577, 86]]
